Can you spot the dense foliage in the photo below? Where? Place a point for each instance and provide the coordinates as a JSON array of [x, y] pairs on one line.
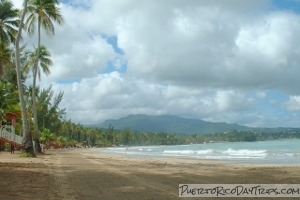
[[126, 137]]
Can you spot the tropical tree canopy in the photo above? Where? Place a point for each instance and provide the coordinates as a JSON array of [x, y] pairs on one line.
[[43, 12], [8, 29], [44, 58], [5, 57], [9, 22], [8, 99], [47, 137]]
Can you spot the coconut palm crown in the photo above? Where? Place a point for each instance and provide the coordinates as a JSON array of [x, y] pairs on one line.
[[9, 22]]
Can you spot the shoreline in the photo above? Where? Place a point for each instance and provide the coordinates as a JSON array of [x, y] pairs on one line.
[[85, 174], [245, 162]]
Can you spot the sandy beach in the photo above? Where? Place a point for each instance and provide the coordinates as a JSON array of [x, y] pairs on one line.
[[83, 174]]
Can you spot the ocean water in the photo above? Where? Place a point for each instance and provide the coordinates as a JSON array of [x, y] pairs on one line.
[[263, 152]]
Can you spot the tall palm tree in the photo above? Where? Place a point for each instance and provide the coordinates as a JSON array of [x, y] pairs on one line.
[[44, 63], [9, 22], [26, 142], [42, 12]]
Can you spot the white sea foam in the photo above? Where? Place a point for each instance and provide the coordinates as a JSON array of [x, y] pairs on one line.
[[204, 152], [179, 152], [144, 149], [262, 152], [290, 154], [246, 153], [218, 157]]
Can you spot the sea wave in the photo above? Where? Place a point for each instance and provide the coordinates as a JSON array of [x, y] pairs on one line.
[[246, 153], [179, 152]]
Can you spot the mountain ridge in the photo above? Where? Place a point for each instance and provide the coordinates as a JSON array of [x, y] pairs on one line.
[[170, 124]]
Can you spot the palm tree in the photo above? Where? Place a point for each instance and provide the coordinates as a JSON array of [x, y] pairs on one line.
[[45, 97], [8, 21], [45, 63], [41, 12], [26, 142], [8, 29], [44, 58], [47, 137], [61, 141], [49, 106]]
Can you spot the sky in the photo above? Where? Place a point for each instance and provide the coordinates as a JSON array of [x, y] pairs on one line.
[[234, 61]]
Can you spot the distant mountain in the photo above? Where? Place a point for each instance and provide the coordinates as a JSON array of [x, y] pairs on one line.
[[170, 124]]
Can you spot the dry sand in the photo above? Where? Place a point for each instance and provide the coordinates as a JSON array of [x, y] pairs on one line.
[[82, 174]]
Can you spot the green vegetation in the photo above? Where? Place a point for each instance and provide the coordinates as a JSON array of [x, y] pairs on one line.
[[44, 13], [27, 155], [126, 137], [41, 13]]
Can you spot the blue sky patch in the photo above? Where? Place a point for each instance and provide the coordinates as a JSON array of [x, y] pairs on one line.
[[291, 5], [113, 41]]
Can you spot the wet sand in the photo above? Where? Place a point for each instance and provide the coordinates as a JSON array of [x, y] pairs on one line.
[[83, 174]]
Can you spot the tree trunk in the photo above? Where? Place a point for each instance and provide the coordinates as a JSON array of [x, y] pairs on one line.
[[35, 72], [34, 110], [27, 140]]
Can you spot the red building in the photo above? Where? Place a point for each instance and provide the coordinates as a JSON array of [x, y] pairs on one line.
[[10, 119], [7, 130]]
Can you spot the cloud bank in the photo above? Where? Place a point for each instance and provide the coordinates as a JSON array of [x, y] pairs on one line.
[[229, 61]]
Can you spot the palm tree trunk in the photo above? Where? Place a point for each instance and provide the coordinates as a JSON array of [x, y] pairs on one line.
[[27, 140], [36, 130], [35, 70]]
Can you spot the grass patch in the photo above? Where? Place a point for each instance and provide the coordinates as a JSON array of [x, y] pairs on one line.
[[27, 155]]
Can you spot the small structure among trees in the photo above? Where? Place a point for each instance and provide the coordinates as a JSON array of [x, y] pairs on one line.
[[7, 130]]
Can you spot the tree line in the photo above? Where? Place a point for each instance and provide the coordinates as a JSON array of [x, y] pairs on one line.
[[94, 136]]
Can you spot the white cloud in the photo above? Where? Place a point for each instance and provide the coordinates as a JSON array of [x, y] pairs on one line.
[[293, 104], [115, 95], [231, 101], [202, 59], [261, 94], [83, 59]]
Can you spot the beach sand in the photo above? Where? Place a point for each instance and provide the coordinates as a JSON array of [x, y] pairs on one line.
[[84, 174]]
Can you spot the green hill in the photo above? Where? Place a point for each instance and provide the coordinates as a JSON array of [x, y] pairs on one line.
[[170, 124]]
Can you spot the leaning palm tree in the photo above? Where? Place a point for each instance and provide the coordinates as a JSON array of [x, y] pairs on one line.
[[9, 22], [27, 141], [42, 13]]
